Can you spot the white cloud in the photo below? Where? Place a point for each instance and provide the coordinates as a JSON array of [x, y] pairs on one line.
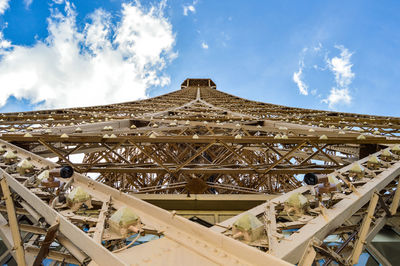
[[101, 64], [338, 96], [189, 8], [204, 45], [4, 44], [28, 3], [318, 47], [3, 6], [297, 78], [341, 68]]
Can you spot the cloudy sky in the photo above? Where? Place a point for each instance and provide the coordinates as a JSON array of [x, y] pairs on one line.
[[332, 55]]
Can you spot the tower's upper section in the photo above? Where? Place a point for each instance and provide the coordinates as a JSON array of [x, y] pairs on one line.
[[198, 100], [198, 83]]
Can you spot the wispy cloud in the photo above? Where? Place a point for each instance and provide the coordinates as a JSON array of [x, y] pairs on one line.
[[204, 45], [189, 8], [28, 3], [338, 96], [297, 78], [341, 68], [103, 63], [4, 44], [316, 60], [318, 47], [3, 6]]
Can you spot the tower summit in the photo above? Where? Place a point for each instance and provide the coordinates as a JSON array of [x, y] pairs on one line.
[[198, 83]]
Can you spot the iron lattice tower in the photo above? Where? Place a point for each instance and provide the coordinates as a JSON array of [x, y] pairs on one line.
[[196, 140]]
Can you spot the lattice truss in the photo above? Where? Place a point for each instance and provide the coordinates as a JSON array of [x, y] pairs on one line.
[[199, 140], [195, 140]]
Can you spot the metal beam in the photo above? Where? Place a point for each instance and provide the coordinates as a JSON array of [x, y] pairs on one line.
[[291, 249]]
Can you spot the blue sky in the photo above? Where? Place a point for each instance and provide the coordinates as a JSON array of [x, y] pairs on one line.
[[332, 55]]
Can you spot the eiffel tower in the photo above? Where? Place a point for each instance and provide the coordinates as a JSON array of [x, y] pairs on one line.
[[260, 183]]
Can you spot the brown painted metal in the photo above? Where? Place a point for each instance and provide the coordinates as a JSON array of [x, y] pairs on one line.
[[200, 140]]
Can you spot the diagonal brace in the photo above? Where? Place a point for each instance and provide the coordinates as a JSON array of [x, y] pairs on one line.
[[13, 222], [48, 239]]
